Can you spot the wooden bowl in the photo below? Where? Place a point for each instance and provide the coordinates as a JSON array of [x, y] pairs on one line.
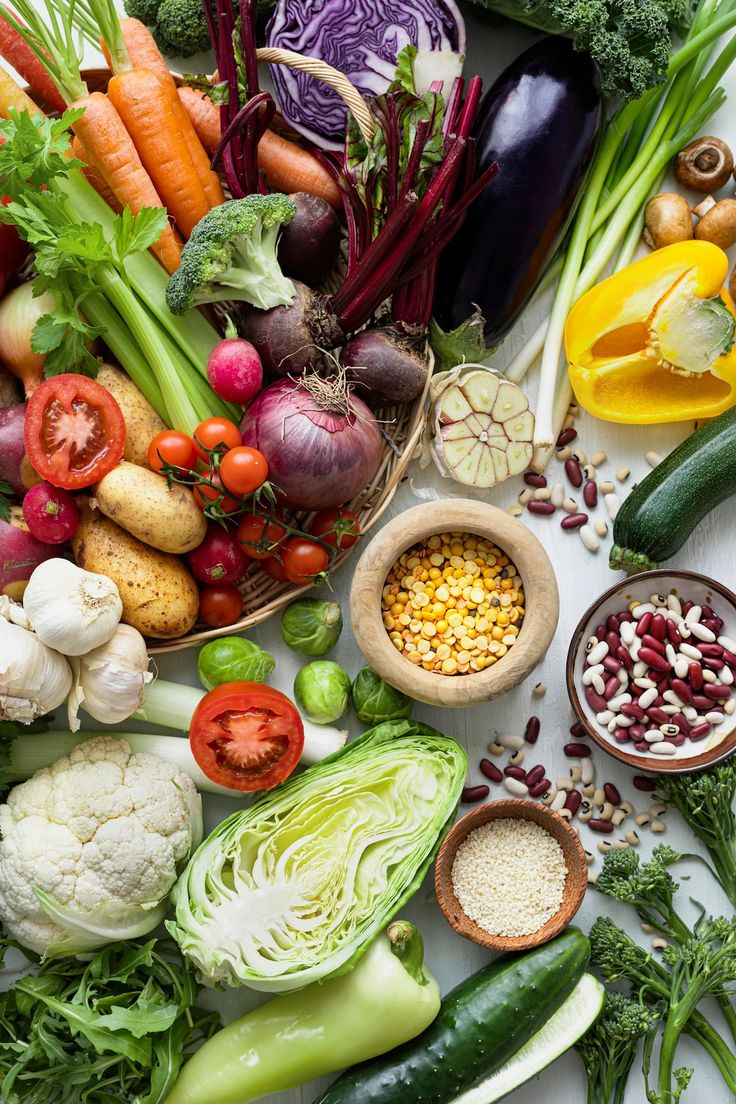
[[688, 585], [466, 516], [512, 809]]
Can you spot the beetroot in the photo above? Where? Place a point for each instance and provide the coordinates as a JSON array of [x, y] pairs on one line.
[[310, 244], [234, 369], [291, 340], [20, 554], [50, 513], [384, 367], [219, 558]]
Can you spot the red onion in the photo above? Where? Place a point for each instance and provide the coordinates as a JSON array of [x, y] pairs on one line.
[[322, 443]]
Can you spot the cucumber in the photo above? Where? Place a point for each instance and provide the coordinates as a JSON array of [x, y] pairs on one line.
[[481, 1025], [663, 510], [561, 1031]]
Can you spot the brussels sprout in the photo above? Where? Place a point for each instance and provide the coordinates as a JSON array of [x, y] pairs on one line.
[[375, 701], [233, 658], [311, 625], [322, 691]]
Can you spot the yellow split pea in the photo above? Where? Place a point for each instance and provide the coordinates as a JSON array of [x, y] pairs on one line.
[[453, 604]]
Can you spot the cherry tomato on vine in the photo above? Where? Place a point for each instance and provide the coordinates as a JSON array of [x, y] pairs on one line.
[[246, 736], [303, 559], [220, 605], [243, 470], [274, 569], [213, 432], [172, 447], [204, 494], [259, 536], [337, 527]]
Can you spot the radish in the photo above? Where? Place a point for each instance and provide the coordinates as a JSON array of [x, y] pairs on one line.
[[309, 246], [234, 368], [12, 449], [50, 513], [20, 554], [219, 558]]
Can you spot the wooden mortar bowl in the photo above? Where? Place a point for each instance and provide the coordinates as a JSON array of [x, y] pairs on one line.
[[463, 516], [512, 809]]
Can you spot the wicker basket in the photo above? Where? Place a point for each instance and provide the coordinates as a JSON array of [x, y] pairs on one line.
[[401, 426]]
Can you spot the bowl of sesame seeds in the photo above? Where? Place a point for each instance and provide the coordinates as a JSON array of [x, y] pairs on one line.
[[454, 602], [511, 875]]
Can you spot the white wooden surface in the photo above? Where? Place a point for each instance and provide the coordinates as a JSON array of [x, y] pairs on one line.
[[581, 577]]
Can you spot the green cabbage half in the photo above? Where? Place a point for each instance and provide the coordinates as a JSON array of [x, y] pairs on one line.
[[295, 887]]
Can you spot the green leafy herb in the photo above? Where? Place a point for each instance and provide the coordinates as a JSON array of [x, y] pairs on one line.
[[112, 1030], [6, 494]]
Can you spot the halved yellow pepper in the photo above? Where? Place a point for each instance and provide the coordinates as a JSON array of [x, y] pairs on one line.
[[655, 341]]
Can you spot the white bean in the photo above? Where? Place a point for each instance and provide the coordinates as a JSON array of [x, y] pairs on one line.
[[726, 676], [587, 772], [601, 528], [653, 736], [559, 801], [618, 701], [671, 697], [714, 717], [597, 654], [643, 607], [640, 668], [681, 666], [628, 632], [690, 713], [727, 643], [647, 697], [674, 603], [710, 676], [590, 672], [693, 614], [516, 787], [625, 722], [729, 706], [508, 740], [606, 487], [605, 716], [645, 683], [652, 459], [671, 654], [557, 495], [589, 538], [691, 651], [663, 748], [613, 505], [702, 632]]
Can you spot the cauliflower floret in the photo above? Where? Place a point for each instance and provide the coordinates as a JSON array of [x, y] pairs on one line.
[[91, 847]]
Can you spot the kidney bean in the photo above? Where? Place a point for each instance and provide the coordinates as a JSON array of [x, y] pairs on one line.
[[576, 751], [729, 658], [643, 624], [643, 783], [573, 521], [573, 801], [472, 794], [578, 729], [533, 479], [695, 674], [515, 772], [603, 826], [715, 624], [656, 714], [713, 664], [567, 436], [590, 494], [490, 770], [539, 787], [651, 642], [673, 634], [595, 700], [658, 626], [612, 623], [536, 774], [612, 687], [678, 740], [682, 722], [629, 709], [612, 665], [682, 690], [625, 657], [611, 793], [600, 632], [700, 701], [623, 735], [699, 732], [536, 507], [637, 731], [531, 732], [641, 745], [717, 693], [713, 651], [653, 659], [708, 611], [574, 472]]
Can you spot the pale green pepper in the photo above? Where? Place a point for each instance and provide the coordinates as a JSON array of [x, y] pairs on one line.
[[388, 998]]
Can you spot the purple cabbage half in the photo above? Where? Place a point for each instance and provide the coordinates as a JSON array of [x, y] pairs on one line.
[[363, 39]]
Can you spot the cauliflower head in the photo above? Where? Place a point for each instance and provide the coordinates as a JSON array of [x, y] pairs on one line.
[[92, 846]]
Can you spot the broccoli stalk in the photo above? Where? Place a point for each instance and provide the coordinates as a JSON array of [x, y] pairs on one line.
[[232, 255], [618, 958], [706, 800], [609, 1047], [631, 40]]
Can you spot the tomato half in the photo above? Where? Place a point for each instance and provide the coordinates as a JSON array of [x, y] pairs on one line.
[[246, 736], [259, 536], [337, 527], [243, 470], [74, 431], [303, 559], [172, 447], [215, 432]]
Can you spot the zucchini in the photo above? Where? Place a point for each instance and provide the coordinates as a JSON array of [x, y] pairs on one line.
[[481, 1025], [666, 506]]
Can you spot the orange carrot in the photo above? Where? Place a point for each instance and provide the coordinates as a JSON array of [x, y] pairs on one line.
[[97, 181], [19, 54], [287, 167], [147, 113], [111, 154], [12, 95], [145, 54]]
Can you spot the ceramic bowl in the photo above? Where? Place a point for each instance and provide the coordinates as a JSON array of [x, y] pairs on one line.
[[575, 884], [420, 523], [686, 585]]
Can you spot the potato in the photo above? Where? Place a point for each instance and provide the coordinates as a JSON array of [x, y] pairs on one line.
[[167, 518], [159, 596], [141, 420]]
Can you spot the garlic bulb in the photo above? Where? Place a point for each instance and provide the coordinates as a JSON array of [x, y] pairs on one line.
[[109, 680], [34, 679], [71, 610]]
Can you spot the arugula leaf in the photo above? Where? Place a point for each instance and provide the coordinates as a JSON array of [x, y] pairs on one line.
[[6, 493]]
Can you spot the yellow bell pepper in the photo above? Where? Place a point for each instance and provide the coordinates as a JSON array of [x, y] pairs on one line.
[[655, 341]]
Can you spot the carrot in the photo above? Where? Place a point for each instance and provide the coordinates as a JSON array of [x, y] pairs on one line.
[[19, 54], [13, 96], [145, 54], [97, 181], [147, 113], [110, 152], [287, 167]]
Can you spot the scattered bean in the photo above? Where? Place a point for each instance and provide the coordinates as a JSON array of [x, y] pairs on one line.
[[535, 507], [566, 437], [598, 458], [573, 521], [510, 741], [569, 505], [531, 731], [606, 487], [490, 770], [601, 528], [659, 943], [543, 494], [534, 479], [632, 838], [539, 691], [657, 826], [613, 505], [495, 748], [652, 459], [589, 538], [471, 794], [576, 751], [623, 474], [516, 787], [602, 826]]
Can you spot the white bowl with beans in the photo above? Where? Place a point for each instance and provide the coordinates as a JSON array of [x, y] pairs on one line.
[[651, 671]]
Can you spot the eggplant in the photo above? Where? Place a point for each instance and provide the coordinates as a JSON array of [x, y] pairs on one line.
[[540, 121]]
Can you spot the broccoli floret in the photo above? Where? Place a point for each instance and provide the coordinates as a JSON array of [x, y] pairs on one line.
[[629, 39], [609, 1047], [232, 255], [144, 10], [183, 24], [649, 887]]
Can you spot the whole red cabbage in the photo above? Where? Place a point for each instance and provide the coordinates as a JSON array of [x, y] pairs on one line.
[[323, 446], [362, 39]]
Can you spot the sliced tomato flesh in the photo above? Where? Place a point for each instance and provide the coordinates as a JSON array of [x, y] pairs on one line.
[[248, 743]]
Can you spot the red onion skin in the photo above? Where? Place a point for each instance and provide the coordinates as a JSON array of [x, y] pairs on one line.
[[316, 458]]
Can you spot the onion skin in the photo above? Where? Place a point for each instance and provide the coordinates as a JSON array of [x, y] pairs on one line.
[[316, 458], [19, 312], [9, 390], [20, 554], [383, 367], [12, 448], [290, 339]]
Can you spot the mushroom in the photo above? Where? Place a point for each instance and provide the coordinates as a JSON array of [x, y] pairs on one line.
[[718, 224], [705, 165], [667, 219], [732, 284]]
